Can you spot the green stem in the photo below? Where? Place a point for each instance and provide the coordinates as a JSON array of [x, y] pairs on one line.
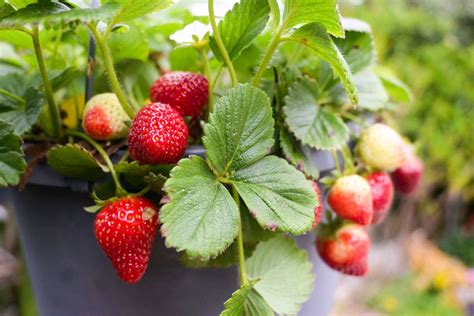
[[335, 157], [110, 70], [220, 44], [207, 71], [12, 96], [48, 89], [216, 78], [120, 191], [268, 56], [240, 242]]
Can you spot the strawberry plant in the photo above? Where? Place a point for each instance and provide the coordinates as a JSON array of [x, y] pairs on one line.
[[258, 91]]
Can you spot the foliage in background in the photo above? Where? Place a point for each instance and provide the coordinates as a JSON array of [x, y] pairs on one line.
[[460, 245], [400, 299], [434, 57]]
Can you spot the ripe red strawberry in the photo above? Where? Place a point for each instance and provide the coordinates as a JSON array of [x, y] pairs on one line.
[[382, 195], [351, 198], [318, 210], [158, 135], [381, 147], [187, 92], [407, 178], [104, 117], [346, 249], [125, 230]]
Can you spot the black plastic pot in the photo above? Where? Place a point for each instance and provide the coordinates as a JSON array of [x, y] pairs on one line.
[[71, 276]]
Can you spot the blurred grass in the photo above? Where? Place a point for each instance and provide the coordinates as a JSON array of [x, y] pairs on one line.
[[26, 299], [400, 299]]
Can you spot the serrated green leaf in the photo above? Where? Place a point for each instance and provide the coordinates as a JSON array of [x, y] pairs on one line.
[[185, 58], [397, 89], [64, 78], [18, 4], [155, 181], [5, 9], [324, 12], [277, 195], [55, 12], [235, 306], [135, 173], [311, 123], [201, 217], [74, 161], [372, 94], [241, 26], [255, 305], [357, 46], [133, 9], [286, 280], [275, 12], [20, 104], [240, 129], [132, 44], [296, 155], [12, 163], [315, 37]]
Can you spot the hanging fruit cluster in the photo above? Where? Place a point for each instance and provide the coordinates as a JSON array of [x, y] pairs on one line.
[[362, 195]]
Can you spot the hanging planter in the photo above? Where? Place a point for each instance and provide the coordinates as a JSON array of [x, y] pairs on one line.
[[198, 188]]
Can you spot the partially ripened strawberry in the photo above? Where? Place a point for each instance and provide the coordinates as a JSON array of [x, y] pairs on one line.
[[104, 117], [345, 249], [185, 91], [318, 210], [407, 177], [381, 147], [351, 198], [158, 135], [126, 229], [382, 195]]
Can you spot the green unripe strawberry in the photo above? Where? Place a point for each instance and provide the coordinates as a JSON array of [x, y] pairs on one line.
[[104, 117], [381, 147]]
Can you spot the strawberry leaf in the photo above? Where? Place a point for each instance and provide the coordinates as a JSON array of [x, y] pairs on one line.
[[315, 37], [286, 280], [12, 163], [357, 46], [135, 173], [277, 195], [235, 306], [241, 26], [132, 44], [75, 161], [397, 90], [201, 217], [307, 11], [18, 4], [240, 129], [372, 94], [296, 154], [312, 124], [5, 9], [133, 9], [55, 12], [255, 305], [20, 104]]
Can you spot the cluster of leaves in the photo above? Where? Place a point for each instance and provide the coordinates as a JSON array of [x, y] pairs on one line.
[[316, 68]]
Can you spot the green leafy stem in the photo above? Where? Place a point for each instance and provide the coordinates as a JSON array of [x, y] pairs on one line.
[[101, 41], [120, 191]]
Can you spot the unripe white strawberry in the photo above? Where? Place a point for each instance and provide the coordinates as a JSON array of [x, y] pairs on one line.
[[381, 147], [104, 117]]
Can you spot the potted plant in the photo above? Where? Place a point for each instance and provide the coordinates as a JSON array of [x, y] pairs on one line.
[[255, 133]]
